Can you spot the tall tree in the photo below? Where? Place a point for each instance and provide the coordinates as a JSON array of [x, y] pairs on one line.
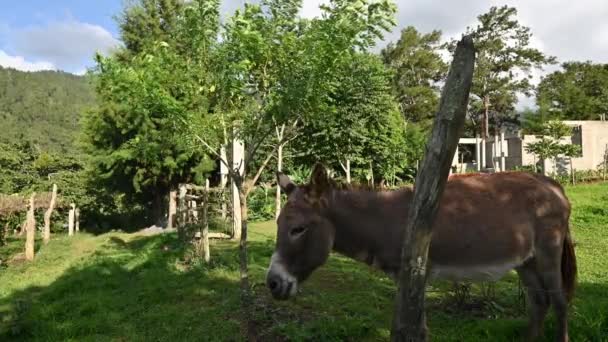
[[578, 92], [144, 22], [503, 67], [131, 138], [360, 126], [417, 68]]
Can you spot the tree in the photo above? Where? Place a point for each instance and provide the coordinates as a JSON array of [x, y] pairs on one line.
[[549, 145], [578, 92], [360, 124], [503, 65], [417, 67], [273, 69], [131, 138], [146, 22]]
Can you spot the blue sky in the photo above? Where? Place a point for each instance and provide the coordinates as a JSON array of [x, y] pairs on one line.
[[65, 34], [58, 34]]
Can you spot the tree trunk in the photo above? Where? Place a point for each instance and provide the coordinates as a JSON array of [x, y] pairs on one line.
[[238, 165], [409, 318], [572, 172], [71, 220], [205, 237], [77, 220], [486, 120], [605, 162], [47, 216], [246, 296], [30, 228], [277, 210], [348, 171]]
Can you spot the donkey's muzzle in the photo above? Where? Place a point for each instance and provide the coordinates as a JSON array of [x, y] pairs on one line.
[[280, 288]]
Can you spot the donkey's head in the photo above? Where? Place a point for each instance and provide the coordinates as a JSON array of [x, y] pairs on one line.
[[305, 236]]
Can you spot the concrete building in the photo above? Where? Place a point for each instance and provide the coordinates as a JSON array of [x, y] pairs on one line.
[[508, 152]]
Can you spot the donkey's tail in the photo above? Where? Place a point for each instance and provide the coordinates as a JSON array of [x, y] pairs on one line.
[[569, 268]]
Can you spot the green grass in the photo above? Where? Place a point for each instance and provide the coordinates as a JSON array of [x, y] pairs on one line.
[[128, 287]]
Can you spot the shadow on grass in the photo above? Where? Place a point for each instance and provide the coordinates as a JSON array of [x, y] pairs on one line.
[[145, 289]]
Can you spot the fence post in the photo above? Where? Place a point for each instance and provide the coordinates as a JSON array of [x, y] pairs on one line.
[[71, 220], [30, 227], [181, 216], [172, 208], [409, 317], [47, 216], [502, 152]]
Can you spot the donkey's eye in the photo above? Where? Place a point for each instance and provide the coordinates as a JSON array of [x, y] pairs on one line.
[[297, 231]]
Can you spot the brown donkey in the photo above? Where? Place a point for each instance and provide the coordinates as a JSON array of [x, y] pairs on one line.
[[486, 225]]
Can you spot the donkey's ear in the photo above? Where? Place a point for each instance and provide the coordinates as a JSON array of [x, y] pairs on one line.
[[319, 179], [285, 183]]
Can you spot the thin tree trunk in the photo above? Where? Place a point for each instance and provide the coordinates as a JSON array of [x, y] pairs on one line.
[[486, 120], [205, 237], [77, 220], [605, 162], [409, 318], [30, 227], [71, 220], [277, 210], [47, 216], [572, 172]]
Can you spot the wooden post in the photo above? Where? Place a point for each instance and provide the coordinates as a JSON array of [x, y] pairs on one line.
[[30, 227], [71, 220], [205, 236], [194, 211], [238, 164], [409, 318], [48, 214], [172, 209], [181, 216], [347, 171], [77, 220]]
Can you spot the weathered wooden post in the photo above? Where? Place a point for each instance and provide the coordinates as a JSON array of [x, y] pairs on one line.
[[205, 222], [47, 216], [30, 227], [181, 215], [172, 209], [409, 318], [71, 220]]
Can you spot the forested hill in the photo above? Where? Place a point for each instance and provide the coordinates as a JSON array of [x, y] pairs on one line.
[[42, 107]]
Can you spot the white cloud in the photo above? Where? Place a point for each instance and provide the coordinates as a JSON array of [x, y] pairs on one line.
[[19, 63], [69, 45]]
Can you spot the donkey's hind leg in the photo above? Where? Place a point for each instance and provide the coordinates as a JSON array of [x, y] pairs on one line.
[[538, 299], [551, 277]]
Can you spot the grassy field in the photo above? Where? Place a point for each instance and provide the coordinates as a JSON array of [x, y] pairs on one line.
[[130, 287]]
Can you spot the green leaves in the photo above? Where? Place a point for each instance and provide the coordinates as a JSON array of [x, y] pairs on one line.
[[578, 92]]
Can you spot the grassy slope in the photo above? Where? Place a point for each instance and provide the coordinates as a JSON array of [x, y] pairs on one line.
[[128, 287]]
